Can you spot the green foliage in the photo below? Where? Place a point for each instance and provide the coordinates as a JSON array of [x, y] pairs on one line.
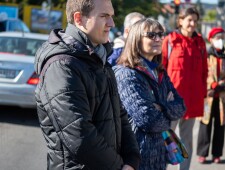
[[54, 3], [121, 7], [210, 15]]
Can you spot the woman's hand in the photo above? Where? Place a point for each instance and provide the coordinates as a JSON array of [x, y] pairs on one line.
[[127, 167], [210, 93], [221, 82], [170, 97], [157, 107]]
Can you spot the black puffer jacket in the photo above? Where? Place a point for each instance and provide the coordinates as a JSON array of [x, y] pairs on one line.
[[79, 108]]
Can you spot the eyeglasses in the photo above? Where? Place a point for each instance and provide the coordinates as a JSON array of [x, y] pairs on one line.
[[153, 35]]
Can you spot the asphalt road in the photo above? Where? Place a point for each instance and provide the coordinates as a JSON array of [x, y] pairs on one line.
[[22, 146], [209, 165]]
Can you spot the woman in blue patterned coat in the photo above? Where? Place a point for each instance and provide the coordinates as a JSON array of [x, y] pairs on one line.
[[147, 92]]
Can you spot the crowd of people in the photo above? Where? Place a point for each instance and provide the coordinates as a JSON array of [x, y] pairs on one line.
[[104, 108]]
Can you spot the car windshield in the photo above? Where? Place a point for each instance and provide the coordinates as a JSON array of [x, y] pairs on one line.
[[20, 46]]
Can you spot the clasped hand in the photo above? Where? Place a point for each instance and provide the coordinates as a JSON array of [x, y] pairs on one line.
[[127, 167], [170, 97]]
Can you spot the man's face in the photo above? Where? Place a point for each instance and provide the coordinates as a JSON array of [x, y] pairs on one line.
[[99, 22]]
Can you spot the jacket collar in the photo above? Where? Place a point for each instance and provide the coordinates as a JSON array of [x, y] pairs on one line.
[[214, 52], [195, 34], [145, 68], [80, 36]]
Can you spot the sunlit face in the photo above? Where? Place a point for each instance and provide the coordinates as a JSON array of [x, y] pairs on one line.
[[217, 41], [99, 22], [189, 24], [151, 46]]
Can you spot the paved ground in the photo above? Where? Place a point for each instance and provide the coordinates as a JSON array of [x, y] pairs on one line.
[[209, 165], [22, 146]]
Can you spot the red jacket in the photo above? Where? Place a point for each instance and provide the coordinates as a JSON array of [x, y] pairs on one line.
[[187, 68]]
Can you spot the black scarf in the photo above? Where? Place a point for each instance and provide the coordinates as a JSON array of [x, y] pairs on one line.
[[216, 53]]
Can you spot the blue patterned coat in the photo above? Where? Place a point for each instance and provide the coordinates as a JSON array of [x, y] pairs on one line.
[[138, 91]]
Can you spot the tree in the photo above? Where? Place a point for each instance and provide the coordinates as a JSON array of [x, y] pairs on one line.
[[210, 15], [149, 8], [122, 7]]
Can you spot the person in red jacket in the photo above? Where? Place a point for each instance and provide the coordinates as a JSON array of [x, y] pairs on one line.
[[214, 102], [185, 58]]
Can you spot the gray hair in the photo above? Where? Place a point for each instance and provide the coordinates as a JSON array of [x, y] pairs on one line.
[[129, 19]]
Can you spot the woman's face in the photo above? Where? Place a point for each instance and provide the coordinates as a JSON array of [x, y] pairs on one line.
[[218, 41], [189, 23], [151, 43]]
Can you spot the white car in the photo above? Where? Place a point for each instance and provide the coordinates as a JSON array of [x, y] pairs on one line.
[[17, 77]]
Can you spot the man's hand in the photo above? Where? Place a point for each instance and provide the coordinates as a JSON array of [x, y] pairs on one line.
[[127, 167]]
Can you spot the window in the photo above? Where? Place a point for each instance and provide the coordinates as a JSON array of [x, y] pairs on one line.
[[21, 46]]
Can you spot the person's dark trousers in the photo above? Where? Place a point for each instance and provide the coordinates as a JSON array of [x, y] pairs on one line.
[[204, 134]]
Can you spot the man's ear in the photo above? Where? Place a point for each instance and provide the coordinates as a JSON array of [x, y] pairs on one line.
[[77, 18], [126, 31]]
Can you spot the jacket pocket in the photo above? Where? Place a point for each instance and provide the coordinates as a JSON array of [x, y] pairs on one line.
[[176, 60]]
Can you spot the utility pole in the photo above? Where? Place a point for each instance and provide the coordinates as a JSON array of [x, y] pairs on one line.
[[177, 10], [47, 6], [177, 6], [221, 13], [201, 13]]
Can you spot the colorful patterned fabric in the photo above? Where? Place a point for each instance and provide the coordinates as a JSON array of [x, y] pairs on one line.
[[176, 151]]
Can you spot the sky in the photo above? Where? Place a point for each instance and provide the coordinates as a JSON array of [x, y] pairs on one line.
[[203, 1]]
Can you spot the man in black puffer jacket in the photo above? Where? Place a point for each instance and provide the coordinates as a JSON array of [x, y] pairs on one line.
[[78, 105]]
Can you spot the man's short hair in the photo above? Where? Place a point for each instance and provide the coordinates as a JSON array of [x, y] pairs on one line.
[[83, 6], [128, 22]]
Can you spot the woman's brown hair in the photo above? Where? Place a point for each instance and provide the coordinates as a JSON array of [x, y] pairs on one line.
[[131, 55]]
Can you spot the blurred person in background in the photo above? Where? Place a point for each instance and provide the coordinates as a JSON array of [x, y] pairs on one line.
[[214, 108], [119, 42], [146, 91], [185, 58]]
